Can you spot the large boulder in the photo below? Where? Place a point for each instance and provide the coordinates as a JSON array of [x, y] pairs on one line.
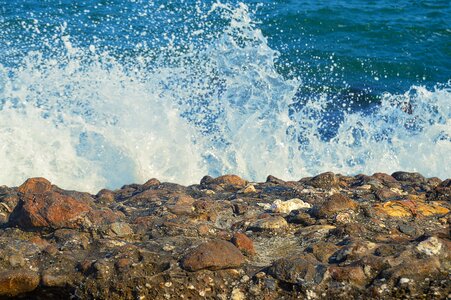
[[42, 207]]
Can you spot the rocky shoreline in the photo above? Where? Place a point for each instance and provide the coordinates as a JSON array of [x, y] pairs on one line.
[[324, 237]]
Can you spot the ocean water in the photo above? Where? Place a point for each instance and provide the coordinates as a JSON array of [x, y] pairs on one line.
[[101, 93]]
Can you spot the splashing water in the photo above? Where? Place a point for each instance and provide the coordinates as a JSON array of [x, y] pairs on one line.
[[209, 101]]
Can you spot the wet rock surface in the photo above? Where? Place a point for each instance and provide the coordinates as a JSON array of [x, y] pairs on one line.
[[324, 237]]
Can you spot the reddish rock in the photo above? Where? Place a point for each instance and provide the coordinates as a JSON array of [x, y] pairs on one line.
[[213, 255], [42, 207], [35, 186], [153, 182], [227, 182], [13, 283], [244, 243]]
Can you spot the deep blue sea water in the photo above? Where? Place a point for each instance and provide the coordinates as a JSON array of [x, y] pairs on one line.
[[101, 93]]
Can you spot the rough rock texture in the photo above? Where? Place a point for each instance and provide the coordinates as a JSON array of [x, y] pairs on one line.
[[213, 255], [324, 237]]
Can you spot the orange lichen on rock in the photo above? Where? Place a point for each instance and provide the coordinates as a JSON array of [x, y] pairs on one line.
[[408, 208]]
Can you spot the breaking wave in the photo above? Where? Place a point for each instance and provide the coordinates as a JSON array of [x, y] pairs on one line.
[[210, 101]]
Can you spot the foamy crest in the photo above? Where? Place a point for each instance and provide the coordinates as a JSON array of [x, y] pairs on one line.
[[87, 119]]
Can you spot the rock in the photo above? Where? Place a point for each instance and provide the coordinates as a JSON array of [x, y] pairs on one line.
[[120, 229], [300, 217], [385, 178], [35, 186], [385, 194], [249, 189], [295, 270], [366, 237], [275, 180], [407, 229], [105, 196], [431, 246], [408, 208], [244, 243], [153, 182], [351, 274], [412, 268], [344, 218], [269, 224], [410, 177], [40, 207], [181, 205], [213, 255], [442, 191], [227, 181], [285, 207], [70, 239], [353, 251], [388, 250], [54, 278], [322, 250], [237, 294], [14, 283], [325, 181], [334, 204]]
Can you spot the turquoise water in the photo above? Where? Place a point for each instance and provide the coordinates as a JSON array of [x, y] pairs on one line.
[[99, 93]]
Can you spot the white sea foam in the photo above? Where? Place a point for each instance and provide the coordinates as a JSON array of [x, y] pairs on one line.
[[86, 120]]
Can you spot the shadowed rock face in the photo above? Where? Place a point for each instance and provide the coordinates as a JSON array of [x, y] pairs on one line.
[[326, 237]]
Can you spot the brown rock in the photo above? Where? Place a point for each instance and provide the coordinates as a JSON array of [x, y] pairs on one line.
[[182, 205], [13, 283], [119, 229], [213, 255], [351, 274], [35, 186], [326, 180], [244, 243], [48, 209], [55, 278], [153, 182], [384, 177], [323, 250], [105, 196], [413, 268], [230, 180], [334, 204], [226, 182], [385, 194]]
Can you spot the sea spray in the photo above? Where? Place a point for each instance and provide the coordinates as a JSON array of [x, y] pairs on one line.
[[207, 100]]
